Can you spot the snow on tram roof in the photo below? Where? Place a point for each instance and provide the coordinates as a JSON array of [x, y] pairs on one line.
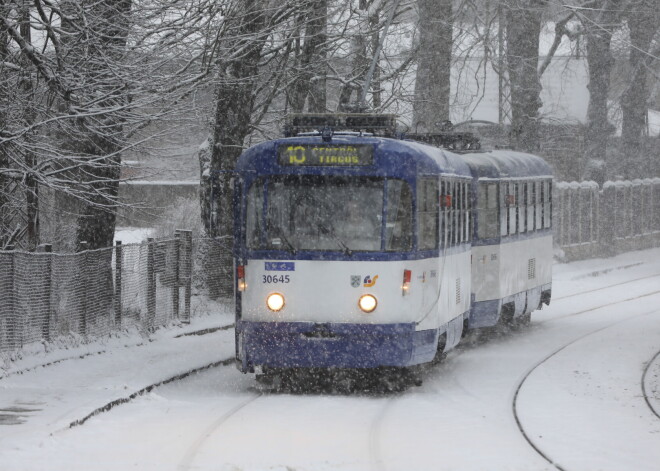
[[499, 164]]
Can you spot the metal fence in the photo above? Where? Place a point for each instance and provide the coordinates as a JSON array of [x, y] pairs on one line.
[[45, 295], [622, 216]]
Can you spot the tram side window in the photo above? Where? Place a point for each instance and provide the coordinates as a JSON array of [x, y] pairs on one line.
[[530, 206], [453, 216], [427, 213], [522, 207], [398, 227], [547, 204], [487, 215], [253, 217], [466, 212], [456, 212], [504, 209], [446, 204], [539, 204], [513, 208]]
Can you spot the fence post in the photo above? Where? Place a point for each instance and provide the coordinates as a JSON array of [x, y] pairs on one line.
[[655, 205], [48, 250], [175, 275], [607, 218], [596, 214], [187, 273], [82, 271], [151, 283], [118, 269], [12, 316]]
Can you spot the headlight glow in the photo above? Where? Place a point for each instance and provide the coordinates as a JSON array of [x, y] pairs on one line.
[[275, 302], [368, 303]]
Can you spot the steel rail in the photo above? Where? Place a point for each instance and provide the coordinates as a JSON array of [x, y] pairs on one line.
[[529, 372], [655, 411]]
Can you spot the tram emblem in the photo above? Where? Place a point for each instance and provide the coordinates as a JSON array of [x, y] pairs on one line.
[[355, 280], [369, 282]]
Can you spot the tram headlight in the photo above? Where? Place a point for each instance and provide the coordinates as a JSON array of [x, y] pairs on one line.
[[368, 303], [275, 302]]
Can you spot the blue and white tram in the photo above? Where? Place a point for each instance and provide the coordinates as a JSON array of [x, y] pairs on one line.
[[512, 243], [351, 251]]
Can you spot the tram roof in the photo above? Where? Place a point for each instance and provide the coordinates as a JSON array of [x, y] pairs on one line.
[[503, 164], [392, 157]]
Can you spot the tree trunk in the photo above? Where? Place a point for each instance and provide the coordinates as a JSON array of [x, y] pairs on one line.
[[432, 85], [4, 112], [309, 62], [31, 186], [359, 66], [523, 20], [234, 106], [318, 44], [598, 27], [99, 138], [374, 21], [643, 24]]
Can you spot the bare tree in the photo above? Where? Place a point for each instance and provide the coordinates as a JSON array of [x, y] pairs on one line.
[[97, 137], [523, 29], [308, 58], [359, 62], [248, 35], [82, 84], [643, 23], [432, 86], [599, 21]]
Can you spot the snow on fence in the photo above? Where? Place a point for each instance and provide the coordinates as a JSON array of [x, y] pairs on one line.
[[622, 216], [91, 293]]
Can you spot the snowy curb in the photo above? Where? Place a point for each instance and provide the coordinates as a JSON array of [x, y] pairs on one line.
[[123, 400], [55, 362], [608, 270], [127, 339]]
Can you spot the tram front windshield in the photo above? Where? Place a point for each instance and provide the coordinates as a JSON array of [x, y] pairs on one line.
[[321, 213]]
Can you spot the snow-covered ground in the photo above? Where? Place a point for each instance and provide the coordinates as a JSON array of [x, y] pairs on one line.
[[577, 390]]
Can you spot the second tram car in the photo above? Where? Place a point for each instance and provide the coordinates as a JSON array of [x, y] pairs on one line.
[[357, 251], [512, 244]]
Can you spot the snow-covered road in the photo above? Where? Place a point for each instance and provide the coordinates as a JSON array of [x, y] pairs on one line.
[[566, 393]]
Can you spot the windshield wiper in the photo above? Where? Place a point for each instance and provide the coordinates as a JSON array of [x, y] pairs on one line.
[[282, 238], [341, 243]]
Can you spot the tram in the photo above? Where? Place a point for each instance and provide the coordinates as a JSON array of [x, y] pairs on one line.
[[355, 248]]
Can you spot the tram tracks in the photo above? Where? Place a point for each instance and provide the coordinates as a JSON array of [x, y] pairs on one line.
[[553, 462], [189, 457], [645, 393], [602, 288], [377, 463], [601, 306]]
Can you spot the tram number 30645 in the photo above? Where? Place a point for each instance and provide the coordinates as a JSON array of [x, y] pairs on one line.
[[276, 279]]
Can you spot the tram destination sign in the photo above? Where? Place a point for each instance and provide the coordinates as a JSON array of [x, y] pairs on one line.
[[330, 155]]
